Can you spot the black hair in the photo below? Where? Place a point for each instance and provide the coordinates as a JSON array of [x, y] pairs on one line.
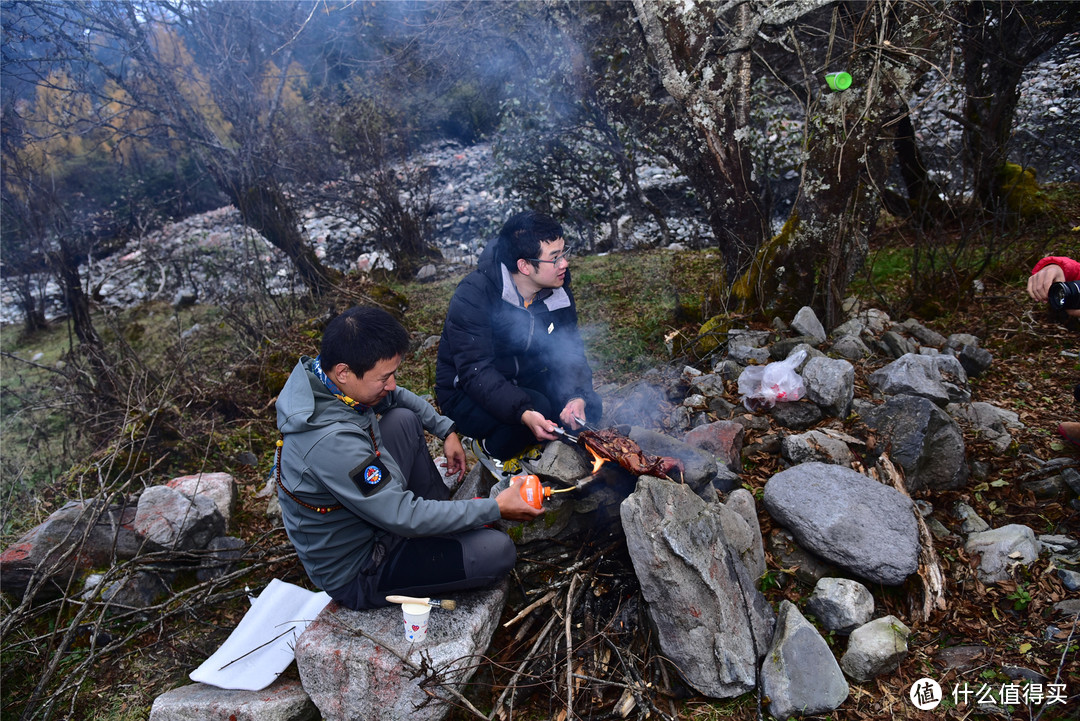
[[522, 234], [361, 337]]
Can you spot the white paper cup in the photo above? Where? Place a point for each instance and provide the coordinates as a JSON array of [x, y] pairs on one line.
[[416, 620]]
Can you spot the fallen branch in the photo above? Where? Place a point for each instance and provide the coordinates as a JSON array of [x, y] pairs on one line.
[[930, 573], [570, 649], [530, 608]]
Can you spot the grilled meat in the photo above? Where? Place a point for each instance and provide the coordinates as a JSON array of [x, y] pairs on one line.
[[612, 445]]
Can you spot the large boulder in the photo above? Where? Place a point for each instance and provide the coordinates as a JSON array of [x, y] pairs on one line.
[[170, 520], [800, 675], [350, 661], [848, 519], [923, 439], [218, 487], [710, 619], [74, 539], [940, 378]]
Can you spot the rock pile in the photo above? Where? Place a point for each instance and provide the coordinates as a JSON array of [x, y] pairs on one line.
[[207, 257], [188, 515]]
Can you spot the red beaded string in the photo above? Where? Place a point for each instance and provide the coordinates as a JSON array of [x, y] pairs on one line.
[[317, 509]]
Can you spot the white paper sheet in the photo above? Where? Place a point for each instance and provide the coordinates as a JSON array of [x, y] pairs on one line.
[[261, 646]]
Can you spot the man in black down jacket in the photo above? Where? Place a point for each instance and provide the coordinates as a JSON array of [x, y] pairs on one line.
[[511, 363]]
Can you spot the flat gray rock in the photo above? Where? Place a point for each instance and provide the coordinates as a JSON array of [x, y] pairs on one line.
[[351, 675], [815, 446], [848, 519], [1000, 549], [283, 700]]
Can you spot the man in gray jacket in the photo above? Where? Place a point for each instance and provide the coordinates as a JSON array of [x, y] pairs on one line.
[[361, 498]]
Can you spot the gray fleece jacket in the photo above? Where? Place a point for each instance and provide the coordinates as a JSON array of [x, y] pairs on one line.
[[325, 460]]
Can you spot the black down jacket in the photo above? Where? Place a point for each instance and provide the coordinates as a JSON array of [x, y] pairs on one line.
[[491, 343]]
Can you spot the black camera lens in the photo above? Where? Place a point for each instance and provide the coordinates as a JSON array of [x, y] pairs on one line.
[[1064, 296]]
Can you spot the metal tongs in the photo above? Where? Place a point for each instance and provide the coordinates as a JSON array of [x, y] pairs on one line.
[[572, 437], [587, 426], [563, 434]]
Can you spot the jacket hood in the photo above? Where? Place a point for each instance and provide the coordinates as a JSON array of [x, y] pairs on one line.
[[305, 403]]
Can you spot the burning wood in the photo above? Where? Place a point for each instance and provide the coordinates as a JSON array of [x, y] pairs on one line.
[[611, 445]]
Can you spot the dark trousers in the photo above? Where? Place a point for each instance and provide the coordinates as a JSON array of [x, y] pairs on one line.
[[427, 566]]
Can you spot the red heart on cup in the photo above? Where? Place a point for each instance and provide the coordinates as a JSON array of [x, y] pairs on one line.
[[415, 627]]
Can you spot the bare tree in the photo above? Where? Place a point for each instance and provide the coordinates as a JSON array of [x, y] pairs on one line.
[[212, 75], [686, 78]]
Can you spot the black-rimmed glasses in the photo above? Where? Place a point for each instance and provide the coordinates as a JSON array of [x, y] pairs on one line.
[[565, 255]]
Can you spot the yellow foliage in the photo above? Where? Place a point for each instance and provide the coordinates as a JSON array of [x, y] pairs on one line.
[[58, 117], [296, 84], [190, 81], [129, 125]]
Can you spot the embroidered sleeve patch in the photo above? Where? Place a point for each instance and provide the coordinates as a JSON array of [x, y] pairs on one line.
[[370, 476]]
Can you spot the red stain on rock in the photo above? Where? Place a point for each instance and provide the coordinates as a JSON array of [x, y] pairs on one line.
[[17, 552]]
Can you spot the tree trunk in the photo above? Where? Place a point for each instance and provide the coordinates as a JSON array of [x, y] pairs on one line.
[[65, 265], [824, 241], [719, 167], [999, 40], [265, 208], [33, 314], [64, 262], [925, 198]]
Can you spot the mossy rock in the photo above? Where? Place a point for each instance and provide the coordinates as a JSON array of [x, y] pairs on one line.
[[711, 335], [385, 296], [1017, 188]]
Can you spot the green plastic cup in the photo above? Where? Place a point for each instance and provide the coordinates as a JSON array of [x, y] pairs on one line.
[[838, 81]]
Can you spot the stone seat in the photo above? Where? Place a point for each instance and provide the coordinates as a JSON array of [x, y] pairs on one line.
[[348, 675]]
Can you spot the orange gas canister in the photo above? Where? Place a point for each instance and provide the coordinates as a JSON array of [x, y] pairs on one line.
[[532, 492]]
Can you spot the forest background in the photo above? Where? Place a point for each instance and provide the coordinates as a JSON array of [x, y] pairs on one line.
[[922, 183]]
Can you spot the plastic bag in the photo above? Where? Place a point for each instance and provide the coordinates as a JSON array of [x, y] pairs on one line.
[[762, 387]]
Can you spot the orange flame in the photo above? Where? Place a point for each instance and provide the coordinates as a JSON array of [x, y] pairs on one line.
[[597, 461]]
